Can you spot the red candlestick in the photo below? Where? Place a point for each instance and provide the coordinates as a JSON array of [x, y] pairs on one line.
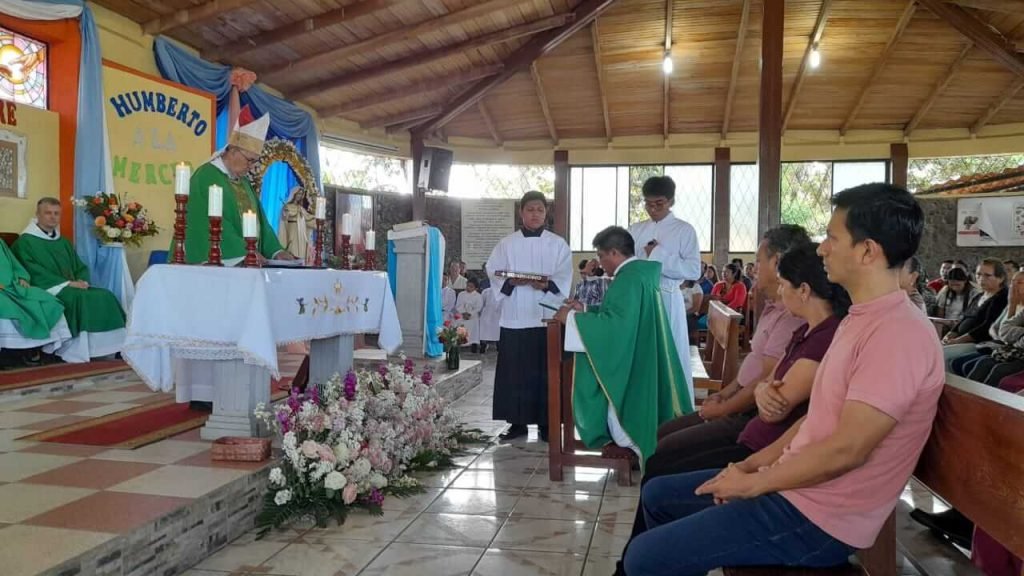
[[370, 260], [318, 248], [180, 209], [346, 252], [214, 258], [251, 261]]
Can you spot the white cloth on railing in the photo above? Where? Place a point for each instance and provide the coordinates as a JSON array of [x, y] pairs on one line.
[[213, 313]]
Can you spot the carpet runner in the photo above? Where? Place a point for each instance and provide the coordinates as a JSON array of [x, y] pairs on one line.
[[35, 376]]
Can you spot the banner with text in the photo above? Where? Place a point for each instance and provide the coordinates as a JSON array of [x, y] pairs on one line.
[[992, 221], [154, 124], [484, 223]]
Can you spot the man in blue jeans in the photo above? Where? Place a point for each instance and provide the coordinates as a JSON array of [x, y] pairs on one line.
[[826, 487]]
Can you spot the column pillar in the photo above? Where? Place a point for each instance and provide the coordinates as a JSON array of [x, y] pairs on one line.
[[899, 157], [769, 155], [562, 194], [723, 183], [419, 195]]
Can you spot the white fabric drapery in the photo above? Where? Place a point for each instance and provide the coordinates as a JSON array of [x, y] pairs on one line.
[[31, 10]]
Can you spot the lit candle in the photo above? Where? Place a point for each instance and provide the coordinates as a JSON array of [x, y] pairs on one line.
[[321, 208], [216, 201], [346, 225], [249, 229], [371, 240], [182, 174]]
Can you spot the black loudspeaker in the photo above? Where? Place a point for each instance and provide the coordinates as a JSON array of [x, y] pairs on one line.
[[435, 168]]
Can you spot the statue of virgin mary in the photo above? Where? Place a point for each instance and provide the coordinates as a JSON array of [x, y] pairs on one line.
[[297, 226]]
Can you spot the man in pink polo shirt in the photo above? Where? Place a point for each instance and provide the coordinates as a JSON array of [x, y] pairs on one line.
[[826, 487]]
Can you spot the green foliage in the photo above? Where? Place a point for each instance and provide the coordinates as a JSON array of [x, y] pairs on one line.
[[364, 171], [807, 195], [923, 173], [637, 176], [501, 181]]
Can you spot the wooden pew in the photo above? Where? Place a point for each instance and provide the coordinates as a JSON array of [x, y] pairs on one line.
[[972, 461], [563, 448], [723, 348]]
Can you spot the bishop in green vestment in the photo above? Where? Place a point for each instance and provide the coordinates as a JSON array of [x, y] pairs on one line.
[[34, 311], [94, 315], [628, 379], [228, 169]]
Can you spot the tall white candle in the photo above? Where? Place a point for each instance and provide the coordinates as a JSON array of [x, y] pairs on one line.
[[216, 200], [321, 208], [371, 240], [346, 225], [249, 229], [182, 175]]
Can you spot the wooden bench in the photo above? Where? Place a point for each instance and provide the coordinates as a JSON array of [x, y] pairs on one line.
[[972, 461], [723, 348], [563, 447], [9, 237]]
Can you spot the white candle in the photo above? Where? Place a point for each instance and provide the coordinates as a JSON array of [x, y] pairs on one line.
[[216, 201], [182, 175], [321, 208], [249, 229], [346, 225], [371, 240]]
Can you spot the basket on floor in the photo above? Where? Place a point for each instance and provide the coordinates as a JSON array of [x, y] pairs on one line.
[[237, 449]]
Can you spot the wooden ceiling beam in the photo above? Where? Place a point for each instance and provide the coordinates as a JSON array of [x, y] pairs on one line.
[[667, 78], [812, 44], [535, 74], [417, 114], [377, 72], [890, 47], [402, 92], [994, 109], [982, 34], [951, 73], [491, 126], [403, 34], [595, 38], [1005, 6], [585, 13], [205, 11], [731, 94], [287, 32]]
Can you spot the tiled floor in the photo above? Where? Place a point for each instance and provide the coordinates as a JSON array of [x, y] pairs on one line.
[[60, 500]]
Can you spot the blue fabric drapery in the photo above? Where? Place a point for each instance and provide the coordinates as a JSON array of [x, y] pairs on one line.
[[434, 316], [287, 120]]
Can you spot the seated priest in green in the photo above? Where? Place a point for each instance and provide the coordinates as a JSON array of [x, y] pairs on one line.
[[30, 317], [94, 315], [628, 379], [227, 169]]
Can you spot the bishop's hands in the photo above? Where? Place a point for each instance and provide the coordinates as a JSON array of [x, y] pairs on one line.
[[21, 281], [80, 284]]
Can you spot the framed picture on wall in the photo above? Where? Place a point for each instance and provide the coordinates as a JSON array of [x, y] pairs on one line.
[[360, 208]]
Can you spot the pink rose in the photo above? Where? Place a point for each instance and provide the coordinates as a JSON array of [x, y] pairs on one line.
[[310, 449], [325, 453], [348, 495]]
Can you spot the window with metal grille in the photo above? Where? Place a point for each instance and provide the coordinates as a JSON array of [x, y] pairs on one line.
[[743, 208]]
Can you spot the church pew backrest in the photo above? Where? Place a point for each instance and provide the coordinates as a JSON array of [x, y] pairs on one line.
[[722, 348]]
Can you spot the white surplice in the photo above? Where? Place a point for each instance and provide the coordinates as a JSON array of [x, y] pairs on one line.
[[679, 254], [547, 255], [490, 317], [471, 303], [448, 302]]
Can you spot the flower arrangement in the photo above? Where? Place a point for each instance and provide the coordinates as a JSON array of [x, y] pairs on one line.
[[452, 335], [115, 221], [354, 440]]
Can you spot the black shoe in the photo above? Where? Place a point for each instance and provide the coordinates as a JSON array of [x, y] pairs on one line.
[[949, 524], [483, 348], [474, 349], [200, 406], [542, 432], [514, 431]]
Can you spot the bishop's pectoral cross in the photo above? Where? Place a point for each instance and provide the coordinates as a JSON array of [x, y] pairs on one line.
[[245, 202]]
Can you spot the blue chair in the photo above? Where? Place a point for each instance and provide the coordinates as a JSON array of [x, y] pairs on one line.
[[157, 257]]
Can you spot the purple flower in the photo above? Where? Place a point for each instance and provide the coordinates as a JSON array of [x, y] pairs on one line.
[[376, 497], [408, 369], [315, 394], [427, 377], [350, 385], [382, 369]]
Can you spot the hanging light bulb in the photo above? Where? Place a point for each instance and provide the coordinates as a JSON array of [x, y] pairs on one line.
[[666, 65], [815, 59]]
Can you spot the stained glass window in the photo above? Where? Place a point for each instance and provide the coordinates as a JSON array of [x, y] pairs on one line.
[[23, 69]]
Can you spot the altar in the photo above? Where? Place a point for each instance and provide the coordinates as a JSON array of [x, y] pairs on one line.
[[221, 327]]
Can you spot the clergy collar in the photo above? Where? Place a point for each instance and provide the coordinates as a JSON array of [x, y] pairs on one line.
[[218, 163], [625, 262], [33, 229], [527, 233]]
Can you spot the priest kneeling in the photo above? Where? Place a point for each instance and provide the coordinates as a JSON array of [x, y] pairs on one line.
[[94, 315], [628, 378]]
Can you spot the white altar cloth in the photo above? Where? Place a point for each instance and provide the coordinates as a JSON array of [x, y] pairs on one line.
[[211, 313]]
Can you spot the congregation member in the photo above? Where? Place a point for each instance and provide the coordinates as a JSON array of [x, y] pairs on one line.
[[806, 293], [982, 311], [708, 277], [826, 487], [1011, 267], [750, 273], [592, 285], [521, 379], [490, 319], [469, 304], [1005, 354], [940, 282], [30, 317], [731, 291], [449, 299], [228, 169], [673, 242], [747, 283], [912, 282], [693, 298], [954, 298], [456, 275], [94, 315], [628, 378]]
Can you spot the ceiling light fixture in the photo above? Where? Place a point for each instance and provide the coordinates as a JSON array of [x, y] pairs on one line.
[[815, 59], [666, 65]]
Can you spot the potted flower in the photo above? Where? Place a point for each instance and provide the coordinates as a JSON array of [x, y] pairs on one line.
[[452, 336], [117, 222]]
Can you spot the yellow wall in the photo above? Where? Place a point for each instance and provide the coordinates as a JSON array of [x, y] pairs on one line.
[[41, 129], [123, 41]]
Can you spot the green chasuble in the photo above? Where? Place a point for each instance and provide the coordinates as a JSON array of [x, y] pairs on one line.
[[238, 198], [52, 262], [630, 362], [33, 310]]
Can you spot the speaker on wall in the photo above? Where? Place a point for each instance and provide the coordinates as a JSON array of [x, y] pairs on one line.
[[435, 167]]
